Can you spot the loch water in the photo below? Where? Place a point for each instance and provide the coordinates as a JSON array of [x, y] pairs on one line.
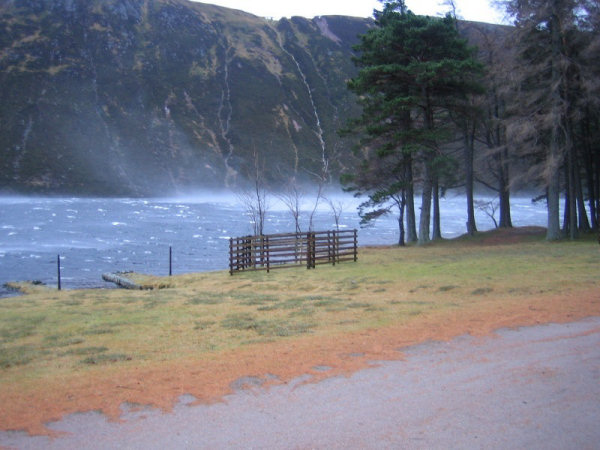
[[98, 235]]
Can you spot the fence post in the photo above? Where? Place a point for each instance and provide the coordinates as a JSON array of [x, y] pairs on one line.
[[253, 251], [268, 254], [247, 252], [313, 250], [58, 265], [335, 247], [170, 260], [230, 256], [355, 245], [298, 248], [308, 251]]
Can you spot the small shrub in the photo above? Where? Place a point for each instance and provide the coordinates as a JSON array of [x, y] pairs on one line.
[[324, 302], [207, 299], [268, 307], [98, 330], [250, 299], [106, 358], [86, 351], [61, 341], [446, 288], [71, 302], [240, 321], [247, 322], [481, 291], [17, 356], [359, 305], [203, 324]]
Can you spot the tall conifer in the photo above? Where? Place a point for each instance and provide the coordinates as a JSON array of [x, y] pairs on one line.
[[414, 71]]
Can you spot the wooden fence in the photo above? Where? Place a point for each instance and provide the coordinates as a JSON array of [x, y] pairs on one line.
[[276, 251]]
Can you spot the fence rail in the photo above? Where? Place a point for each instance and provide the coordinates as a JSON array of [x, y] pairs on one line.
[[276, 251]]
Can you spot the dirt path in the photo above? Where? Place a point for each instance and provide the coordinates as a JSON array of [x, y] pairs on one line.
[[532, 387]]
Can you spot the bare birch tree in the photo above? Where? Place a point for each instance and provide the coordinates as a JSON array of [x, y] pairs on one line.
[[291, 196], [254, 199]]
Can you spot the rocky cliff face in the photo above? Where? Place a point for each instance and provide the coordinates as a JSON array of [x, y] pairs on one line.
[[143, 97]]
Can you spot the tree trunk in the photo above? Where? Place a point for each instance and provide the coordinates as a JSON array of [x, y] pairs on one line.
[[566, 209], [554, 157], [572, 179], [425, 216], [411, 223], [553, 231], [505, 219], [583, 224], [496, 137], [437, 228], [596, 190], [591, 168], [468, 155], [401, 240], [504, 191]]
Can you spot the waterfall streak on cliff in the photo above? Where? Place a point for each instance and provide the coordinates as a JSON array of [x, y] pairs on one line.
[[319, 132], [225, 125]]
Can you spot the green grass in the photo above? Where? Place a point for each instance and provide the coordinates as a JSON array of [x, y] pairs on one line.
[[15, 326], [50, 333], [86, 350], [265, 327]]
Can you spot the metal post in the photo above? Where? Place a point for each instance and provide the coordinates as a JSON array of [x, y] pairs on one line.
[[170, 261], [58, 265]]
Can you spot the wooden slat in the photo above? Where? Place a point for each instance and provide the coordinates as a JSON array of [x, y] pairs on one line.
[[291, 250]]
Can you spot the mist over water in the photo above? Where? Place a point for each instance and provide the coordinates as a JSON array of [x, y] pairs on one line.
[[97, 235]]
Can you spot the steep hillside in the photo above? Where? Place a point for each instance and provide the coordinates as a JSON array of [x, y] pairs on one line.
[[143, 97]]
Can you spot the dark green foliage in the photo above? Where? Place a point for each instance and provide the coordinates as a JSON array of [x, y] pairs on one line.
[[414, 72]]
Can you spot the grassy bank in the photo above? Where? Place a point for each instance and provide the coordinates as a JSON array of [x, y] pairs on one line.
[[53, 334]]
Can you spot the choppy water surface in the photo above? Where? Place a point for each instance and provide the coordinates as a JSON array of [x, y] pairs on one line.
[[100, 235]]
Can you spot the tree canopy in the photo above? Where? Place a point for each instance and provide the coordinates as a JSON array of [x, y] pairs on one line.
[[526, 103], [414, 72]]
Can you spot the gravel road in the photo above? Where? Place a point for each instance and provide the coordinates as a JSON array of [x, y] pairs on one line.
[[535, 387]]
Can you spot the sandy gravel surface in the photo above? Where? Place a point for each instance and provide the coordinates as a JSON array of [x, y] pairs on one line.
[[534, 387]]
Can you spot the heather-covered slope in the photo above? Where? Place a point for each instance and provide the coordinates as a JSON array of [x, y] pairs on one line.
[[143, 97]]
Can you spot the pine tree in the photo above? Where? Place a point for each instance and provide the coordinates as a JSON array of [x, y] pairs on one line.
[[414, 70]]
